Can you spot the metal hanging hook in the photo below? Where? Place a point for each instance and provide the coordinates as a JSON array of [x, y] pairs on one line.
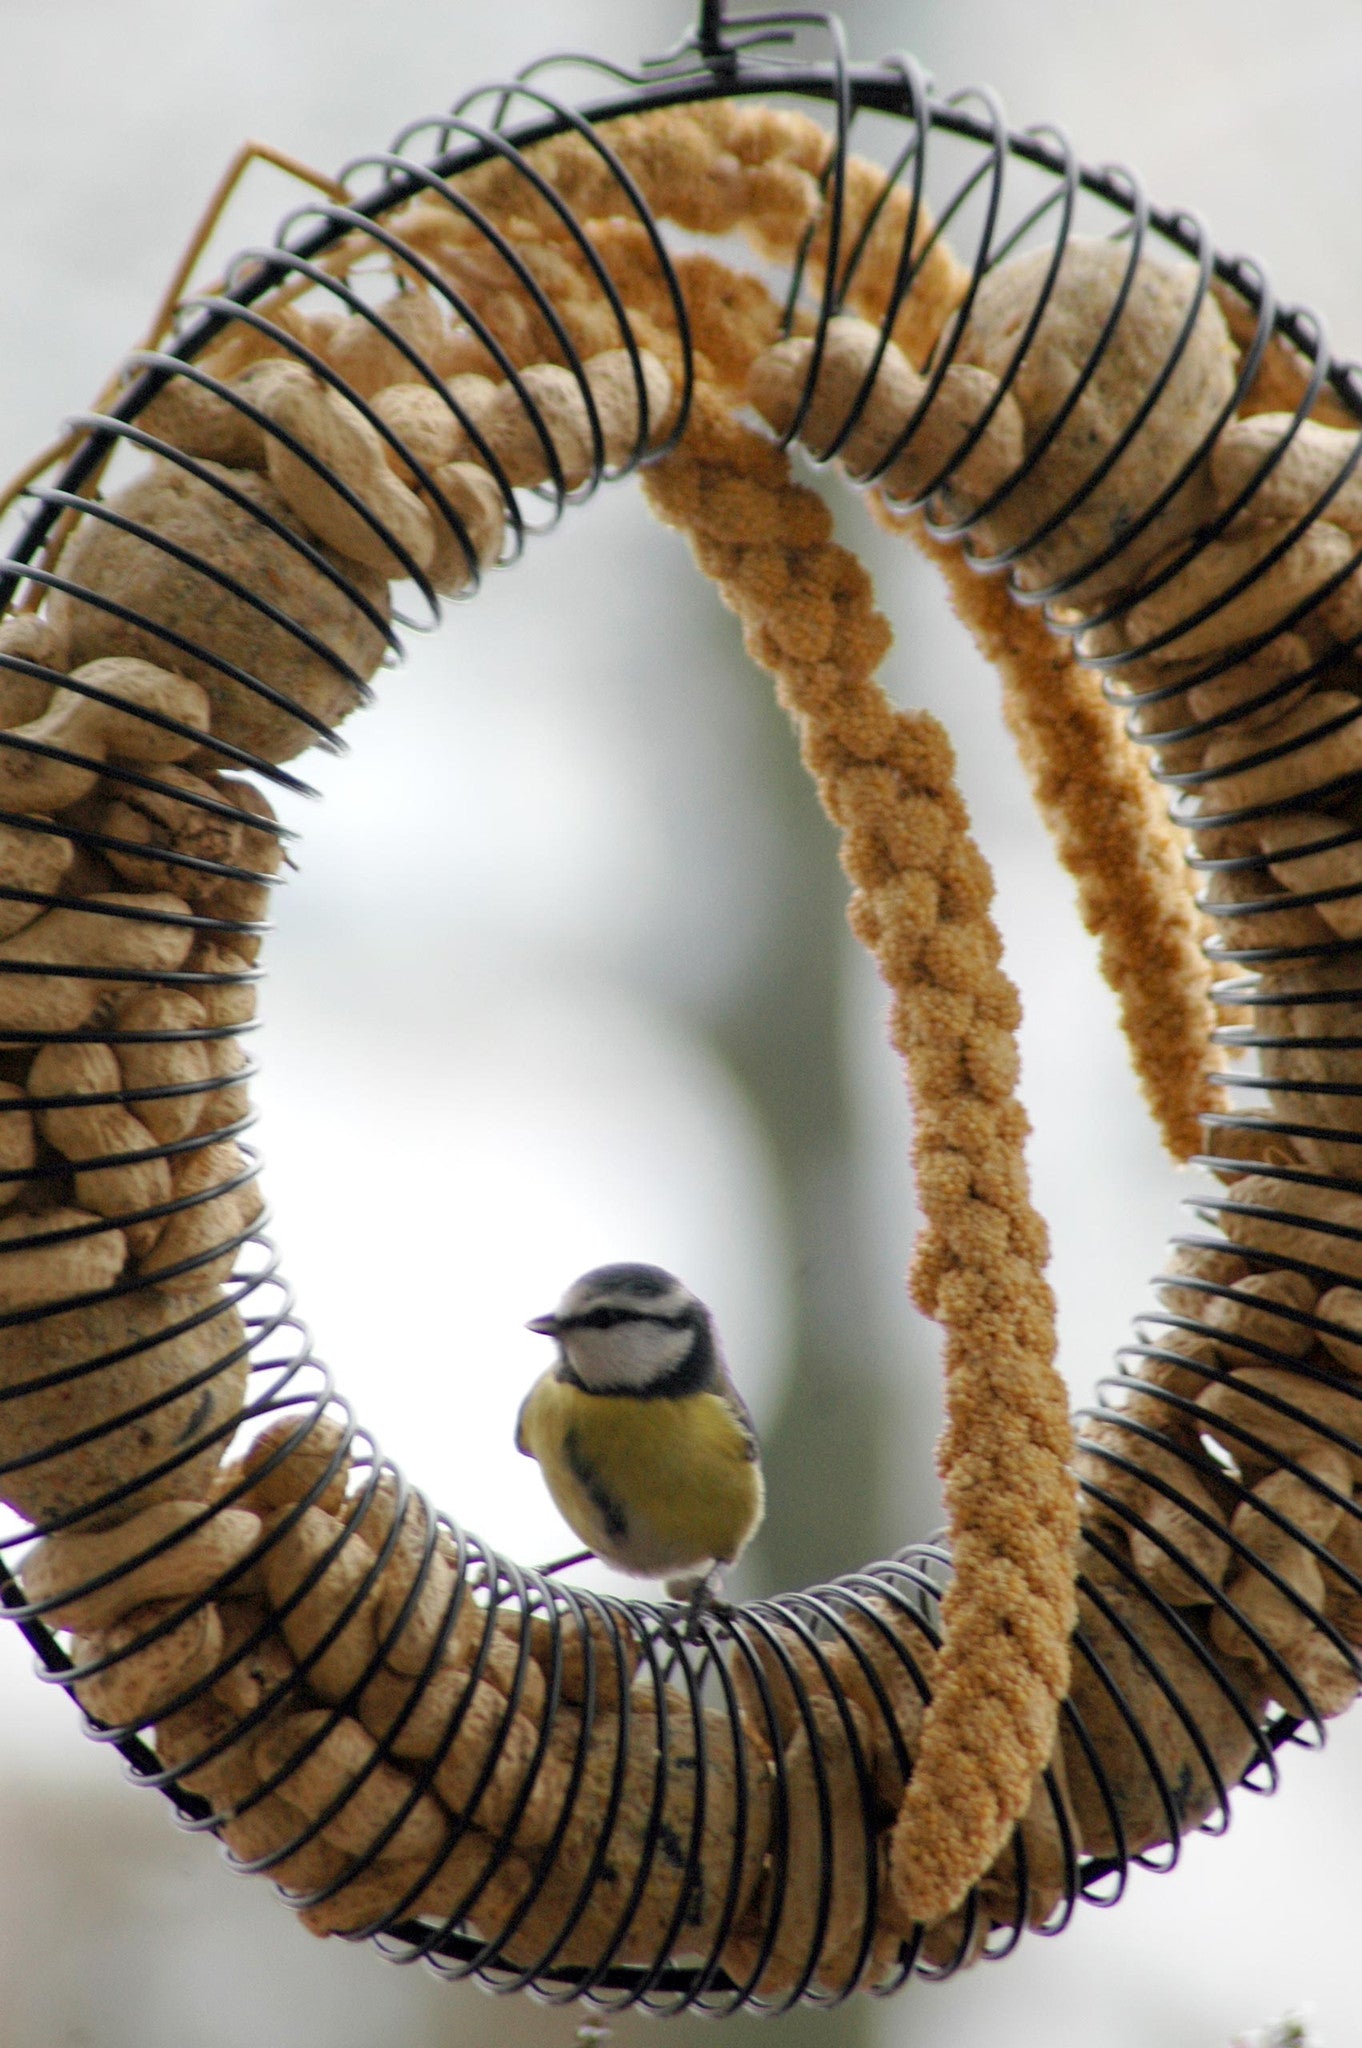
[[709, 32], [714, 41]]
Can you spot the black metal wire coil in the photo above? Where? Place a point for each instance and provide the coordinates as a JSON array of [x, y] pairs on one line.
[[1140, 1655]]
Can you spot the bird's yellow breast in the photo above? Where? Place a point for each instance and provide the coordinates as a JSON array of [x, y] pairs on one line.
[[654, 1486]]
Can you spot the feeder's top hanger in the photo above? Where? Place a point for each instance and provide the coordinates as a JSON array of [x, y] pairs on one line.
[[715, 43]]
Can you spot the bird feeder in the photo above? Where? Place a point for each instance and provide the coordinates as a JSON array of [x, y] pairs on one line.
[[1138, 474]]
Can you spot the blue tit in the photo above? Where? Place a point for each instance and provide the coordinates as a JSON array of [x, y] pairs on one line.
[[644, 1442]]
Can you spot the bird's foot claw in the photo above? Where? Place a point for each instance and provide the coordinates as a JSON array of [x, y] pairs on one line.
[[704, 1602], [715, 1610]]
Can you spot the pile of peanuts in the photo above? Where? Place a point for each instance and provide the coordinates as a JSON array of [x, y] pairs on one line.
[[373, 1722], [1225, 1471], [316, 1667]]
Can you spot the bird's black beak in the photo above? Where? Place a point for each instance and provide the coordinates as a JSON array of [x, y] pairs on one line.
[[544, 1326]]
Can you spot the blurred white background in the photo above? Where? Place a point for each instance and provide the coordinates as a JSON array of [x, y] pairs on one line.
[[563, 978]]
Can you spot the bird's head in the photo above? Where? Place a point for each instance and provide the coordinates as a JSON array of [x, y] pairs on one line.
[[632, 1329]]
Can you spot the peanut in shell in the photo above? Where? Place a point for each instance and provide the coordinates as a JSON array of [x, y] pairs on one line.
[[1081, 298], [221, 526]]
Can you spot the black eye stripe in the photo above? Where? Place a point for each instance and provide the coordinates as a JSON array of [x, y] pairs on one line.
[[611, 1318]]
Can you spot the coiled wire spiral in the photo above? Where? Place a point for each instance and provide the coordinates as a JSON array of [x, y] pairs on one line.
[[993, 191]]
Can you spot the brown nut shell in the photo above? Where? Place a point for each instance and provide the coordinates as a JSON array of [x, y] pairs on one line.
[[129, 935], [388, 529], [1288, 467], [1115, 1692], [190, 512], [82, 1369], [34, 862], [322, 1584], [1258, 689], [1316, 743], [425, 423], [148, 1672], [1264, 1316], [1341, 1307], [809, 1944], [163, 1075], [594, 1654], [298, 1858], [864, 394], [1291, 585], [1296, 1219], [474, 497], [963, 399], [636, 1847], [200, 1243], [1264, 1414], [1336, 866], [150, 1557], [1142, 341], [383, 1813], [55, 1256], [28, 638], [18, 1145], [615, 377], [88, 1133], [314, 1464], [255, 1669], [547, 430]]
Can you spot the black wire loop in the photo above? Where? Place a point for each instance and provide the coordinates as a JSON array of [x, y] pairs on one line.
[[1220, 1613]]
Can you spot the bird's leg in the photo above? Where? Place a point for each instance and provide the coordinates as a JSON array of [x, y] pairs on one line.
[[704, 1599], [562, 1564]]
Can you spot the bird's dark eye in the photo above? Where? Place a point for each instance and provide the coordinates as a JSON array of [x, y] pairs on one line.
[[602, 1319]]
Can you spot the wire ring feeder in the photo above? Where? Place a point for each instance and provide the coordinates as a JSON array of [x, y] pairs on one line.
[[1139, 475]]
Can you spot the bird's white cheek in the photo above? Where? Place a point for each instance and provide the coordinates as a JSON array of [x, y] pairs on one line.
[[605, 1358], [630, 1356]]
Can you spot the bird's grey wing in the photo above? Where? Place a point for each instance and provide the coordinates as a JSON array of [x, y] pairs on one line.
[[520, 1442], [742, 1414]]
